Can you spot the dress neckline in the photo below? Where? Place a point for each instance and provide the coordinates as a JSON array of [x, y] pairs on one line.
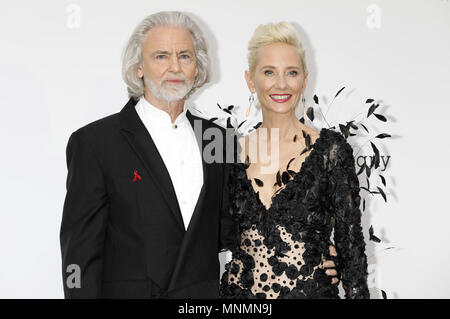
[[296, 175]]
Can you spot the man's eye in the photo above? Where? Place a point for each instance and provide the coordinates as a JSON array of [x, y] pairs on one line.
[[268, 72]]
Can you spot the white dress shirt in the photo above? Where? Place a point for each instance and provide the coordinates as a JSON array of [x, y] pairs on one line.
[[180, 152]]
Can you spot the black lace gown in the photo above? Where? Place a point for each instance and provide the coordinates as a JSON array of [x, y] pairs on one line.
[[278, 252]]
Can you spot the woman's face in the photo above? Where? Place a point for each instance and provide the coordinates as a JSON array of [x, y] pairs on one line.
[[278, 79]]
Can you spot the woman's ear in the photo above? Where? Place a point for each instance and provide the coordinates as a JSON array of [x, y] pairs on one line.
[[305, 82], [250, 83]]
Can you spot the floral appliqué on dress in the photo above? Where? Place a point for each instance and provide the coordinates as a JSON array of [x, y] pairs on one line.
[[278, 252]]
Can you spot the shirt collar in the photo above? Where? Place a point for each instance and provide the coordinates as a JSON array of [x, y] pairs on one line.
[[159, 117]]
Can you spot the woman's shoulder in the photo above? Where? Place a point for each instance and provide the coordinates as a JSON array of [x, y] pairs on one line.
[[334, 144], [331, 135], [323, 137]]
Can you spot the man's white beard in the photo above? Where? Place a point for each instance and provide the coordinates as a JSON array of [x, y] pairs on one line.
[[176, 93]]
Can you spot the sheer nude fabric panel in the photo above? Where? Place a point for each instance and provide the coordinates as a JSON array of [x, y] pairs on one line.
[[262, 266]]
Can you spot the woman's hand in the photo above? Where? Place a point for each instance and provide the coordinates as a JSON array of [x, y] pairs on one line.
[[331, 271]]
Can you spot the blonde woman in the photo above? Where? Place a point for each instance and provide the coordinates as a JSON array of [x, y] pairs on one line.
[[287, 205]]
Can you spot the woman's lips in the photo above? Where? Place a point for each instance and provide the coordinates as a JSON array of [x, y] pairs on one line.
[[280, 98]]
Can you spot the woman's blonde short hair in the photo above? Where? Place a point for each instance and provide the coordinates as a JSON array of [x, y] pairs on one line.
[[266, 34]]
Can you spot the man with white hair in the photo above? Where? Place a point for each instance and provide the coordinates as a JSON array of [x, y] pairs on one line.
[[142, 215]]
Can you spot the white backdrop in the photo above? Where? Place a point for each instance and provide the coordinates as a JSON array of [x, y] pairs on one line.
[[61, 69]]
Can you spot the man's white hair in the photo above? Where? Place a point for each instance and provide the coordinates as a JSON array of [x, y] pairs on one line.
[[132, 56]]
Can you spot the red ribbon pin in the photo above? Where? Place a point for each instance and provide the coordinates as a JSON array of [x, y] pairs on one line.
[[136, 176]]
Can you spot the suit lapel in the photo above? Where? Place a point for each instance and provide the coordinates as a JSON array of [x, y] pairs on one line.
[[141, 142], [208, 171], [134, 131], [197, 126]]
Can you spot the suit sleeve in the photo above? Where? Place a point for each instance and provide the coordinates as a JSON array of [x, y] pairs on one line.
[[228, 226], [84, 220], [348, 235]]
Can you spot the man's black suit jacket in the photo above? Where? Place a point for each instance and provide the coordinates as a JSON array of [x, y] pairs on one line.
[[127, 234]]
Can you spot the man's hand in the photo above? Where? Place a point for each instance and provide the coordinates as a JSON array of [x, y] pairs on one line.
[[330, 264]]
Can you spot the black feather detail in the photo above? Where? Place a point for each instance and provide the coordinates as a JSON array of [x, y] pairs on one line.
[[259, 182]]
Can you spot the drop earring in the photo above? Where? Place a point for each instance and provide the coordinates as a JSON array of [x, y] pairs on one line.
[[303, 104], [251, 99]]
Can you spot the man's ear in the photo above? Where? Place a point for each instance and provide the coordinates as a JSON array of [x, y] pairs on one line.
[[140, 72], [249, 80]]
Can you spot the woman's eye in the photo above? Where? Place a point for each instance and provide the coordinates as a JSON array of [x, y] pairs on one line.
[[185, 56], [160, 57], [268, 72], [293, 73]]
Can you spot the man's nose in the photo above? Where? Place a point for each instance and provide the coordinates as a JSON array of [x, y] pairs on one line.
[[174, 64]]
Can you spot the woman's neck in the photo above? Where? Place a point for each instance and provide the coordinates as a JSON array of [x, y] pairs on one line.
[[287, 124]]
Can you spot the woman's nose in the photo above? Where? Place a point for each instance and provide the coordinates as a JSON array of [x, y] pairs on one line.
[[281, 82]]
